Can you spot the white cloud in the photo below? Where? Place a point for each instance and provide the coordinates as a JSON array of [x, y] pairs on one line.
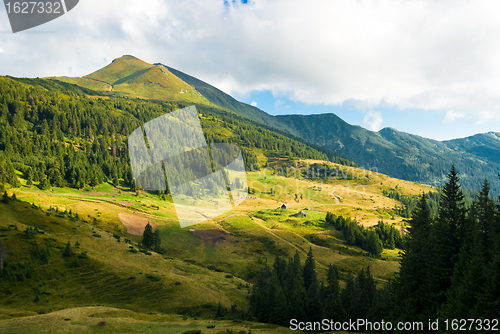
[[485, 116], [254, 103], [434, 55], [451, 116], [373, 120], [278, 104], [2, 50]]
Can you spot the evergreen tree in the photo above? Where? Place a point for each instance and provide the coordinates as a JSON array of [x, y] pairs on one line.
[[313, 302], [411, 287], [309, 272], [156, 240], [373, 245], [148, 237], [447, 237], [68, 251], [332, 304], [5, 198], [349, 298], [220, 312]]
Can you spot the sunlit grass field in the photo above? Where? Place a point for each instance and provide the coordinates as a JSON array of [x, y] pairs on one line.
[[133, 290]]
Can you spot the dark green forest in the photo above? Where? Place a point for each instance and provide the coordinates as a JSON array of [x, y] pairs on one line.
[[450, 269], [59, 136]]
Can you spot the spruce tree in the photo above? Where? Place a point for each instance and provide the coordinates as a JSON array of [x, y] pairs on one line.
[[68, 251], [5, 198], [156, 240], [309, 272], [448, 234], [411, 287], [332, 308], [148, 237]]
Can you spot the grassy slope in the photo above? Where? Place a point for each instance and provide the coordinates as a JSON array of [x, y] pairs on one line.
[[129, 76], [224, 100], [259, 231], [85, 320]]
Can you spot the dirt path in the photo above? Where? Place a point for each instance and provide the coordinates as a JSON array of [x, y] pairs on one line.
[[337, 198], [135, 225]]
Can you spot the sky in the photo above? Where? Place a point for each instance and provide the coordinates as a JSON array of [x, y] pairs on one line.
[[431, 68]]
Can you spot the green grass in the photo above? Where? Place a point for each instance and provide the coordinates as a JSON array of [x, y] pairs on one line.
[[86, 320], [190, 276]]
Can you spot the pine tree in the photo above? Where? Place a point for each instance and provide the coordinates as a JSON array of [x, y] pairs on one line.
[[331, 300], [411, 287], [448, 235], [221, 311], [349, 298], [68, 251], [156, 240], [309, 272], [148, 237], [5, 198], [373, 245]]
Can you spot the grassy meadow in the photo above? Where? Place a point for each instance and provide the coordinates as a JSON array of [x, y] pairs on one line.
[[180, 289]]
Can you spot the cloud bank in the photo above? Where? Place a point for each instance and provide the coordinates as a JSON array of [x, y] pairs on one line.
[[432, 55]]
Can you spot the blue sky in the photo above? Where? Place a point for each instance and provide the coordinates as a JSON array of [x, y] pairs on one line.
[[426, 67], [426, 123]]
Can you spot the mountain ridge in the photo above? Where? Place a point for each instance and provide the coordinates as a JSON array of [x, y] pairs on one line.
[[396, 153]]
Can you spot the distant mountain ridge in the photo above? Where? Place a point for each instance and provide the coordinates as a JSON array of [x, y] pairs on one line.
[[403, 155], [392, 152]]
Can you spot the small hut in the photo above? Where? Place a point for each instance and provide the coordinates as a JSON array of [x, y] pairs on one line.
[[284, 206], [301, 213]]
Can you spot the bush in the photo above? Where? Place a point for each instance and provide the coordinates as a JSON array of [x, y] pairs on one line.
[[153, 278], [177, 283], [83, 255], [229, 276]]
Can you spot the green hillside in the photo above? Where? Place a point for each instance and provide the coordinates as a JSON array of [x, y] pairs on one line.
[[63, 154], [224, 100], [132, 77], [316, 237]]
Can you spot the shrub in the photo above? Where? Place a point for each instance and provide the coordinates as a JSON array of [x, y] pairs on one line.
[[153, 278]]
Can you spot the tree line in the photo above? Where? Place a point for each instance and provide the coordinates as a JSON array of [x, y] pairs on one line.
[[371, 240], [59, 137], [288, 290]]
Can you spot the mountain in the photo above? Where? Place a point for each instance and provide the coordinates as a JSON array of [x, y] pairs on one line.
[[403, 155], [390, 151], [224, 100], [485, 145], [132, 77]]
